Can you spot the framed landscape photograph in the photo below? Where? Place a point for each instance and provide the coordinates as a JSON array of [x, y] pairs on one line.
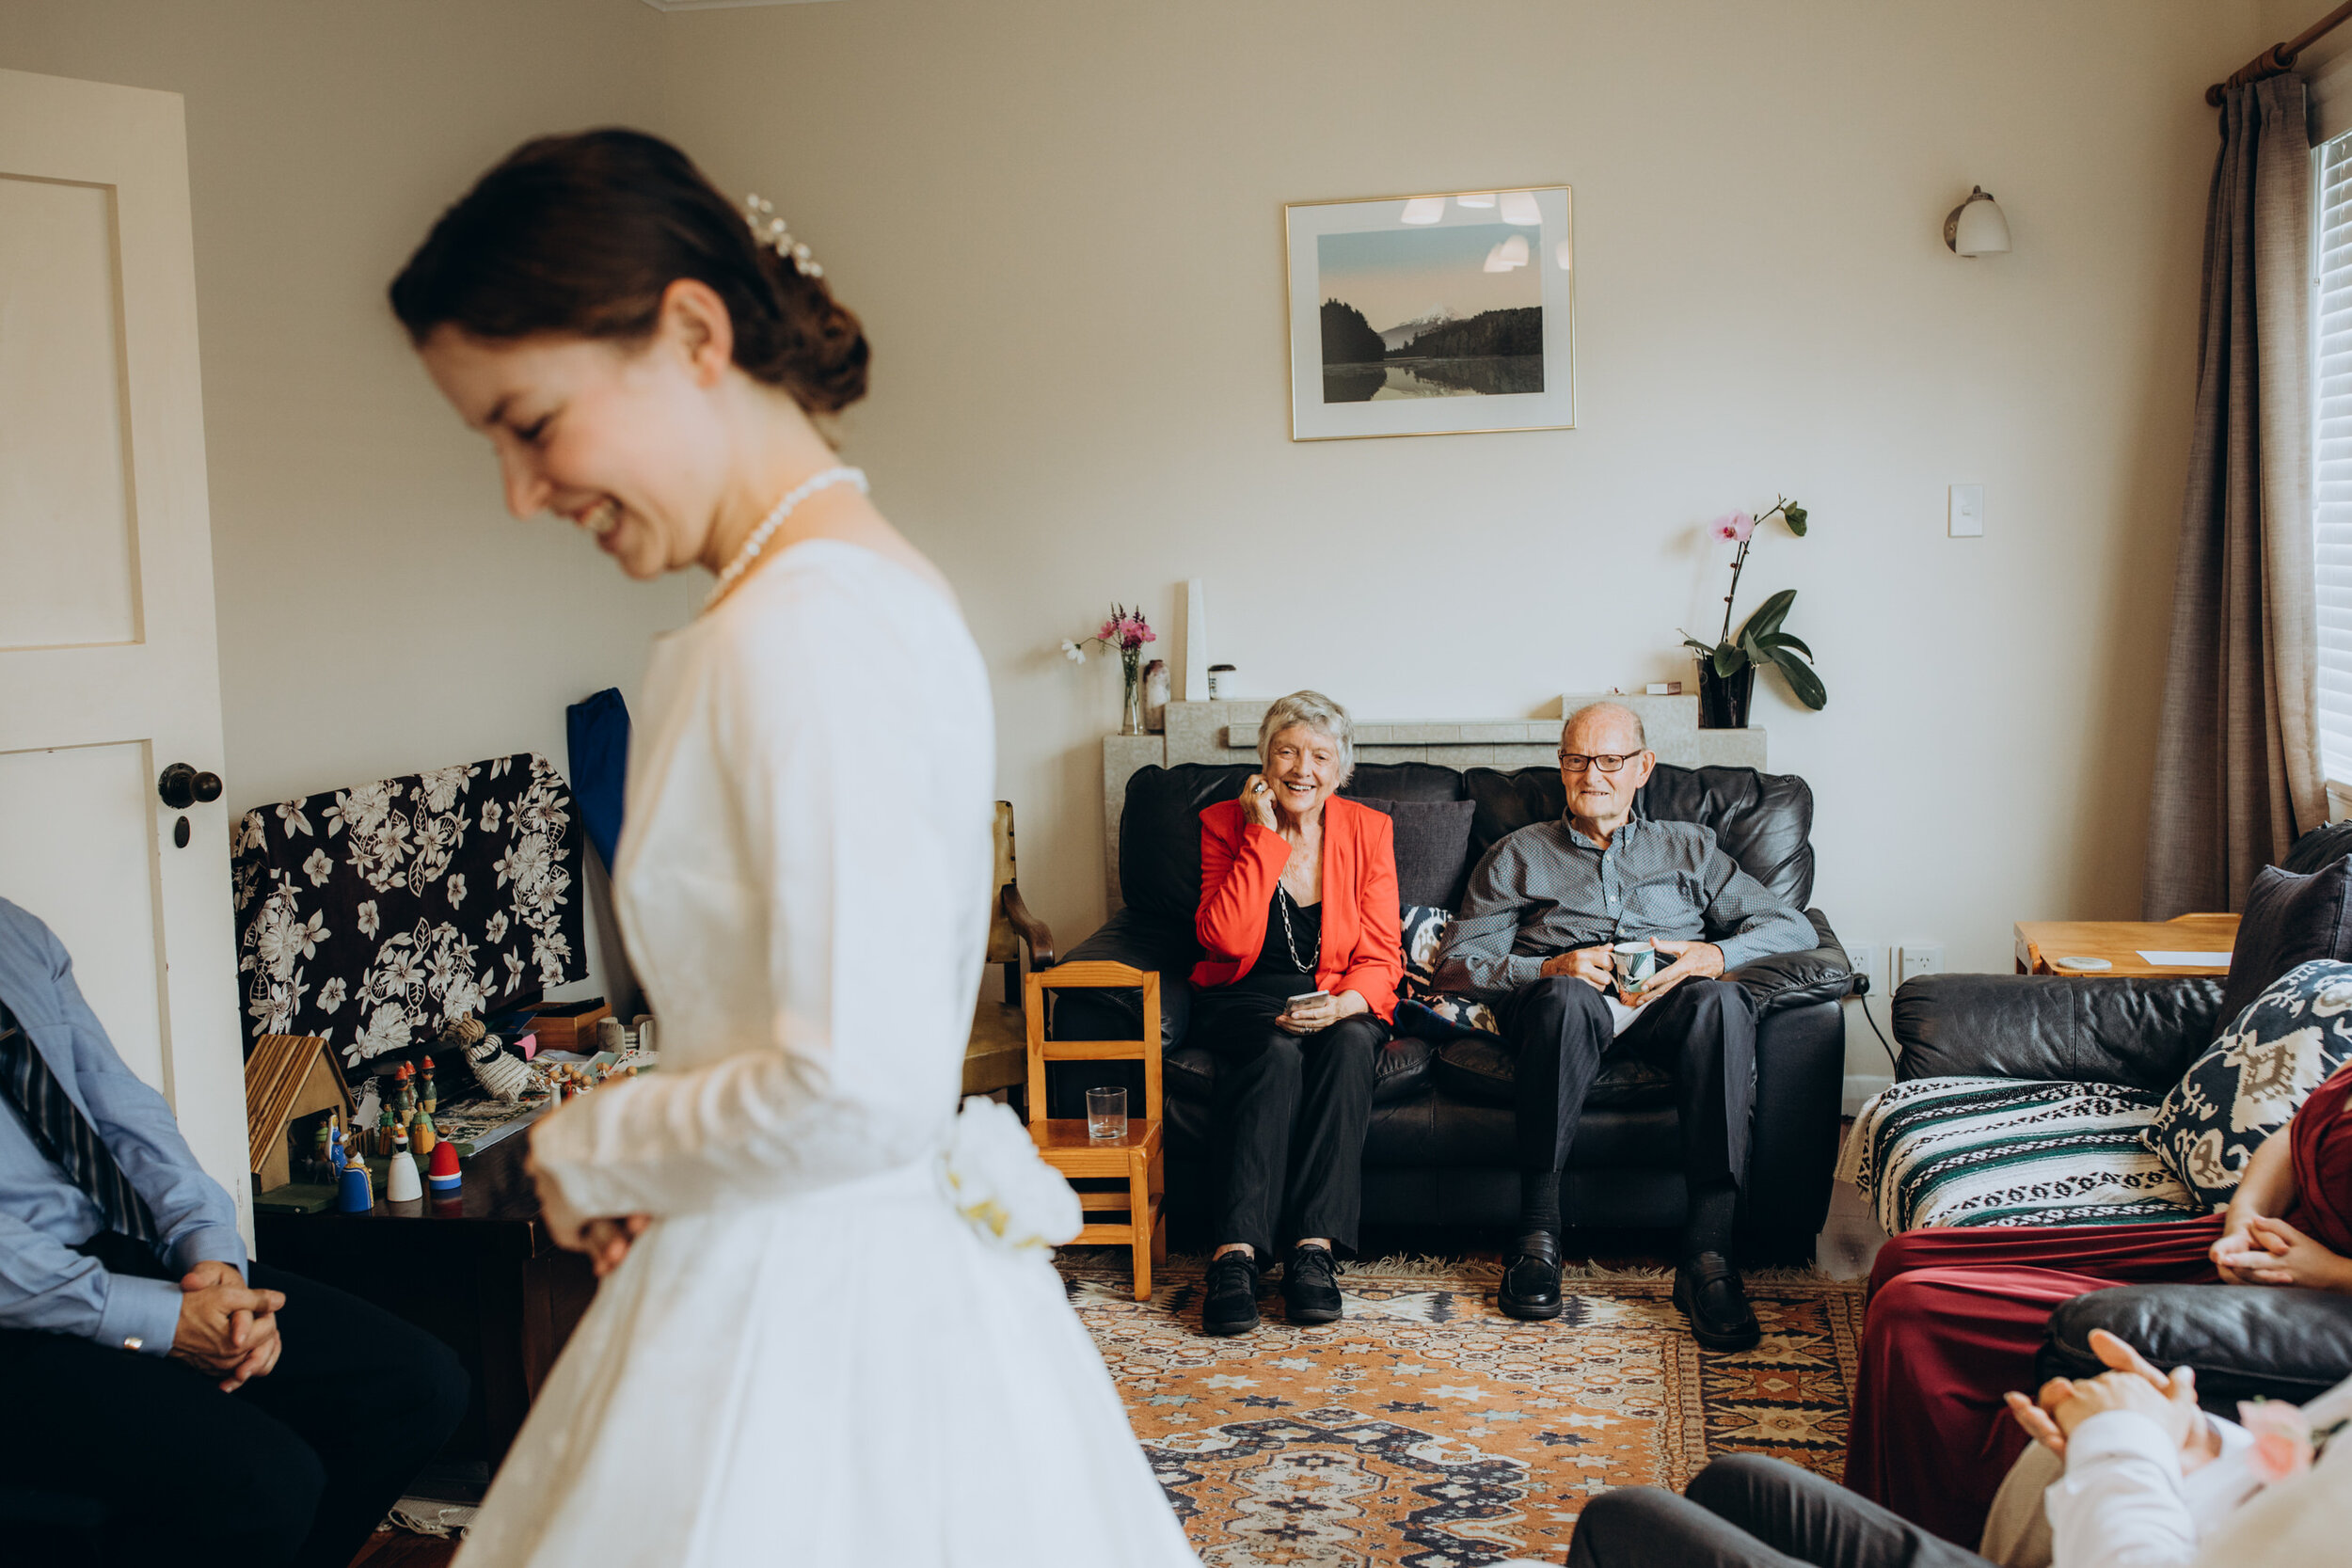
[[1432, 315]]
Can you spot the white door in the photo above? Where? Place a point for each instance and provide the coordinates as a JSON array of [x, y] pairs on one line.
[[108, 669]]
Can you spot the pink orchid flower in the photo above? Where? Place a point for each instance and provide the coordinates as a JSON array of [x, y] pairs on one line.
[[2283, 1438], [1735, 526]]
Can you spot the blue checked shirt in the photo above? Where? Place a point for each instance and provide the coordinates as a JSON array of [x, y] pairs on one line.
[[1547, 888], [44, 1284]]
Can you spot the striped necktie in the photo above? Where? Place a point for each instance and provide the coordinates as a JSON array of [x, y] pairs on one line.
[[65, 1136]]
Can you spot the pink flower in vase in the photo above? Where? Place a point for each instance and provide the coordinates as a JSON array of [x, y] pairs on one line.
[[1737, 525]]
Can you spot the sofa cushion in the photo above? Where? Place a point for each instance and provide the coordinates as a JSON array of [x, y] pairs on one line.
[[2009, 1151], [2289, 919], [1401, 1069], [2244, 1089], [1432, 848], [2323, 845], [1482, 1067], [1403, 781], [1763, 821]]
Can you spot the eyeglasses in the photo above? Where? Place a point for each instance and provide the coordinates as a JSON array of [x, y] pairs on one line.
[[1576, 762]]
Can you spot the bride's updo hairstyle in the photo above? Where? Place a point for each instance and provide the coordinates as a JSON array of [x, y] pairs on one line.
[[579, 235]]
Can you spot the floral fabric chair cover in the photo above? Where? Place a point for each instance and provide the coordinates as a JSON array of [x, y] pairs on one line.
[[372, 916]]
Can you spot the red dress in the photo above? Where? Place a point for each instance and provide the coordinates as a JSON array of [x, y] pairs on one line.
[[1956, 1316]]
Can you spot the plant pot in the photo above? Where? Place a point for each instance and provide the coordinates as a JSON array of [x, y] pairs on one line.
[[1723, 699]]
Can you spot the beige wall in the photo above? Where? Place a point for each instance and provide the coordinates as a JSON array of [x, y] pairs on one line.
[[1062, 222], [378, 611]]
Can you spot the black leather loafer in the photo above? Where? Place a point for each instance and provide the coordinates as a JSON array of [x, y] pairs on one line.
[[1708, 1291], [1531, 1277], [1310, 1286], [1228, 1297]]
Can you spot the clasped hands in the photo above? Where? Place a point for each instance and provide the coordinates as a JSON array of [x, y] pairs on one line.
[[2130, 1383], [605, 1238], [227, 1328], [2255, 1249], [1596, 968]]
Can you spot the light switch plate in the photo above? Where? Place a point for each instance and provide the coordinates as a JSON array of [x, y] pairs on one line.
[[1966, 511]]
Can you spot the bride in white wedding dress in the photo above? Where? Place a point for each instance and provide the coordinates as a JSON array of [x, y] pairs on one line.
[[828, 1331]]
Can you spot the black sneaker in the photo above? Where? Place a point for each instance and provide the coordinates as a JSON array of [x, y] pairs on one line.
[[1310, 1286], [1708, 1291], [1531, 1277], [1228, 1297]]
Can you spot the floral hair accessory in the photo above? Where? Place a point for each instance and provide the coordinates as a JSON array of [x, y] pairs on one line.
[[776, 235]]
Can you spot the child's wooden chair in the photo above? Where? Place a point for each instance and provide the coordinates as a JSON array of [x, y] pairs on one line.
[[1137, 1158]]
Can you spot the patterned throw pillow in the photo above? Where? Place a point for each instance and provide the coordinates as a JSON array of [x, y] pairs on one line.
[[2280, 1047], [1424, 925]]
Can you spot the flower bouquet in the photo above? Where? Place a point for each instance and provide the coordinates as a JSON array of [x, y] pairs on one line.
[[1727, 667], [1126, 631]]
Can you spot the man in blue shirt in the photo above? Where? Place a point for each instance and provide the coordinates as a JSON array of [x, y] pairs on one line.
[[218, 1411], [1536, 932]]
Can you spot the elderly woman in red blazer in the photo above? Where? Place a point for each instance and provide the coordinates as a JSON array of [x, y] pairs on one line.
[[1299, 918]]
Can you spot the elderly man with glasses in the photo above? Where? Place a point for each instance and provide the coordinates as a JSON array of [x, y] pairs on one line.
[[1536, 934]]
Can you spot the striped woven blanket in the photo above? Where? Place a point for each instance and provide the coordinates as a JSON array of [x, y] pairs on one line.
[[1940, 1151]]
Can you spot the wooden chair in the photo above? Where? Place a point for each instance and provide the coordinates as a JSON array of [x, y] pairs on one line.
[[997, 1056], [1137, 1159]]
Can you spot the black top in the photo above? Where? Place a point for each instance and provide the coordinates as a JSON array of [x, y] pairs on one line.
[[1291, 958]]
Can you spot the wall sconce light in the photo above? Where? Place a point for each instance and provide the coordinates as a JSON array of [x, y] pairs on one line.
[[1977, 227]]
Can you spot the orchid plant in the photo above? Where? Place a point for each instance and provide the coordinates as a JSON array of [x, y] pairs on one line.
[[1125, 632], [1760, 640]]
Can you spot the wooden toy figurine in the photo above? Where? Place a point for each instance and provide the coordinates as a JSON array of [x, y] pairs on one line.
[[422, 1136], [444, 1175], [430, 1097]]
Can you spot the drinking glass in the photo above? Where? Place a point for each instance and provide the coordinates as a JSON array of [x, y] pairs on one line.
[[1106, 1113]]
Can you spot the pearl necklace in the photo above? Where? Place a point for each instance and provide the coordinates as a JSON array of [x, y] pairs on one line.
[[767, 529]]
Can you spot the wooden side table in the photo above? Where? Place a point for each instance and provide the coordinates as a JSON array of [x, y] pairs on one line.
[[478, 1271], [2041, 943]]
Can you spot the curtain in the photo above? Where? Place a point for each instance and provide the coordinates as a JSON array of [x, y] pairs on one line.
[[2238, 753]]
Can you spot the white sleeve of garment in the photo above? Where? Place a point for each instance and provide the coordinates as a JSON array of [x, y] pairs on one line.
[[815, 796], [2121, 1503]]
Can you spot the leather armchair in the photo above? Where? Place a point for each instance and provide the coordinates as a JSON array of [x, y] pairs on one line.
[[2244, 1342], [1440, 1148]]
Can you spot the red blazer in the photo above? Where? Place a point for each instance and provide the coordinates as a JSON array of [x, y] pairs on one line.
[[1240, 863]]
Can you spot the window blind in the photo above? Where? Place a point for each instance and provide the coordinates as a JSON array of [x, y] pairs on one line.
[[2331, 450]]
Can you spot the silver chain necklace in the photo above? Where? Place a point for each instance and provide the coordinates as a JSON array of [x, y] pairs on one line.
[[1283, 901], [767, 524]]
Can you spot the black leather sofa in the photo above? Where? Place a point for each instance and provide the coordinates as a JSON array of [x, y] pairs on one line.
[[2245, 1341], [1439, 1151]]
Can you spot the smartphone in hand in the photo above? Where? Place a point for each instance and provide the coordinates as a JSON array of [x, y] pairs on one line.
[[1291, 1004]]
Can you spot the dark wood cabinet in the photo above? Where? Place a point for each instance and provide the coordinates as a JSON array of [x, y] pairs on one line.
[[478, 1270]]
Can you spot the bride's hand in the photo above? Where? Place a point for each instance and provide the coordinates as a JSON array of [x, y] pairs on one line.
[[607, 1240]]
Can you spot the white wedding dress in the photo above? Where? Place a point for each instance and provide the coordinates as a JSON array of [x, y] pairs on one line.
[[813, 1356]]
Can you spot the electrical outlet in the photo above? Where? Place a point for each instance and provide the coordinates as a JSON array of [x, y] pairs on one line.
[[1868, 960], [1918, 958]]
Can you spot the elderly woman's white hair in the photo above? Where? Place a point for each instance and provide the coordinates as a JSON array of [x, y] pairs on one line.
[[1317, 712]]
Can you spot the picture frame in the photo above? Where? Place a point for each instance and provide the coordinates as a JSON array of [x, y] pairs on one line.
[[1447, 313]]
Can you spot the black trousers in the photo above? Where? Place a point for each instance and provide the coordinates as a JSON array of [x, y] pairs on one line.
[[1291, 1113], [1745, 1511], [1704, 1029], [296, 1468]]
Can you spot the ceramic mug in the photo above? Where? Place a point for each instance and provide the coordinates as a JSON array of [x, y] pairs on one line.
[[1633, 963]]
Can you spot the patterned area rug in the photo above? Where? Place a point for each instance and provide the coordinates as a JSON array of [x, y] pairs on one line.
[[1428, 1429]]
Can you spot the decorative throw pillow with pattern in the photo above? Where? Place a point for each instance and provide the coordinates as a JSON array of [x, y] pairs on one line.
[[1423, 927], [2245, 1088]]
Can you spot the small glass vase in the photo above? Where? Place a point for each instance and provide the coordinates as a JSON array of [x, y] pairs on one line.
[[1131, 706], [1724, 699]]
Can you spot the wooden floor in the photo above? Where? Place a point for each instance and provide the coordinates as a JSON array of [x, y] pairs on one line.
[[1849, 1243]]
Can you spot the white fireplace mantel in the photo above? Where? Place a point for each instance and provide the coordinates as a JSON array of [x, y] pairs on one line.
[[1226, 733]]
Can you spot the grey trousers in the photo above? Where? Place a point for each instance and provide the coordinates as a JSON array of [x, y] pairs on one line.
[[1745, 1511]]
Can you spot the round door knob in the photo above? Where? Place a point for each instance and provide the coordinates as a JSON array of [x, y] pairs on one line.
[[183, 787]]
